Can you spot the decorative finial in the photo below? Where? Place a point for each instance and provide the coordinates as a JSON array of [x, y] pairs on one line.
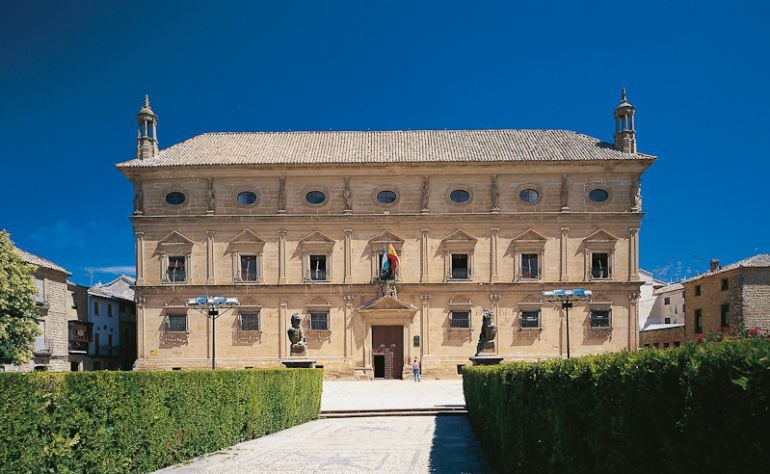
[[623, 95], [147, 99]]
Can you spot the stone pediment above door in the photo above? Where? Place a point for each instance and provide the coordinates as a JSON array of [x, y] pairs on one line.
[[388, 309]]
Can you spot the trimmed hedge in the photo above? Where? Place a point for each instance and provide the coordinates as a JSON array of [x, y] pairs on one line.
[[698, 408], [141, 421]]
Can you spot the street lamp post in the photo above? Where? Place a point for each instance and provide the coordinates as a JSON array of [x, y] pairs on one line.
[[566, 297], [209, 306]]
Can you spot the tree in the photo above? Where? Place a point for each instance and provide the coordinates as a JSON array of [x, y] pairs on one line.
[[18, 314]]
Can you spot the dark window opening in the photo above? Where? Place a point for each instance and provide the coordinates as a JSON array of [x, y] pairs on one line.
[[698, 321], [697, 290], [530, 319], [319, 321], [249, 268], [176, 323], [460, 319], [177, 269], [600, 265], [318, 267], [460, 266], [724, 284], [724, 312], [529, 266], [249, 321], [600, 318]]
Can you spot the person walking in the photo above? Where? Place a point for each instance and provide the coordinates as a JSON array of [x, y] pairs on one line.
[[416, 370]]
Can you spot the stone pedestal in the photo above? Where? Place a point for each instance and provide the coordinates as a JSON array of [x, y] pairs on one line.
[[486, 359], [299, 363]]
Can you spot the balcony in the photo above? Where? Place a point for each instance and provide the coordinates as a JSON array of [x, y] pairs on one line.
[[106, 351]]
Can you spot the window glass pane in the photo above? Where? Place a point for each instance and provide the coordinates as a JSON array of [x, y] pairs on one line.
[[386, 197], [529, 196], [246, 198], [459, 196], [250, 321], [319, 321], [175, 198], [177, 322], [530, 319], [177, 269], [598, 195], [529, 268], [459, 266], [600, 265], [600, 318], [460, 319], [315, 197], [249, 267], [40, 340], [318, 267]]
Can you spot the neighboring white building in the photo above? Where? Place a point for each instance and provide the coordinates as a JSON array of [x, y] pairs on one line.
[[112, 313], [669, 305], [647, 296]]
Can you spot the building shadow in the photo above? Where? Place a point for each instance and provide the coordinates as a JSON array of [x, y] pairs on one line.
[[455, 448]]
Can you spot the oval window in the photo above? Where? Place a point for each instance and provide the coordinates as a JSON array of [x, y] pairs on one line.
[[598, 195], [315, 197], [459, 196], [247, 198], [175, 198], [386, 197], [529, 196]]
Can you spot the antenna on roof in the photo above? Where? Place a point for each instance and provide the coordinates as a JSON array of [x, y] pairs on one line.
[[90, 272]]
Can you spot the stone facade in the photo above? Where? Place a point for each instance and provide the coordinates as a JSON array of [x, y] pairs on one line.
[[735, 295], [50, 349], [471, 233], [662, 337]]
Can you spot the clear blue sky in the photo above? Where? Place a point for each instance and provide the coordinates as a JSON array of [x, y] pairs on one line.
[[73, 75]]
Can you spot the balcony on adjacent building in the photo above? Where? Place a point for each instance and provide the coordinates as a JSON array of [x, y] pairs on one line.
[[79, 336]]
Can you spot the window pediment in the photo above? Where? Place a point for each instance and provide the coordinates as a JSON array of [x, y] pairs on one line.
[[175, 240], [384, 238], [247, 240], [529, 239], [601, 236], [316, 241], [459, 240]]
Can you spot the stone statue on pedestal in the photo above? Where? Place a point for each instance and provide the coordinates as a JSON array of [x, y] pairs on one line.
[[488, 333], [297, 336]]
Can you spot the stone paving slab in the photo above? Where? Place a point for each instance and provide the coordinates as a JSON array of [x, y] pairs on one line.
[[414, 444], [391, 394]]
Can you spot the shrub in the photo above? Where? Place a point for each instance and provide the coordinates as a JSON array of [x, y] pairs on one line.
[[141, 421], [696, 408]]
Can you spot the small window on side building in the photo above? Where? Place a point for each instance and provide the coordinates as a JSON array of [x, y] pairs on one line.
[[725, 285]]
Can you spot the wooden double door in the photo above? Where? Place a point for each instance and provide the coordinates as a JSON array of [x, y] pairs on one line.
[[388, 351]]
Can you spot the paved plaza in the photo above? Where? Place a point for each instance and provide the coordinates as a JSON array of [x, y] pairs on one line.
[[443, 443]]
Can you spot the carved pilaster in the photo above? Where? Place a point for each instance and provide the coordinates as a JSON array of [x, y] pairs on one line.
[[348, 257], [282, 334], [424, 255], [493, 254], [210, 279], [633, 321], [282, 256], [348, 330], [563, 275], [424, 325], [139, 258], [633, 254]]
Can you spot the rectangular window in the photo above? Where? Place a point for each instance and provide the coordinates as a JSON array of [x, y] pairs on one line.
[[40, 345], [249, 268], [109, 310], [460, 266], [666, 345], [698, 321], [318, 267], [667, 320], [176, 323], [177, 269], [666, 300], [724, 284], [529, 266], [40, 296], [724, 312], [249, 321], [530, 319], [319, 320], [600, 318], [96, 308], [460, 319], [600, 265], [697, 290], [676, 343]]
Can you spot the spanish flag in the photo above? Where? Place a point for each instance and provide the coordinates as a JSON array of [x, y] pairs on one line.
[[389, 263]]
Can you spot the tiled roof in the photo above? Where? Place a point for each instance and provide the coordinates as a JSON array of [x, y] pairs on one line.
[[40, 261], [118, 288], [413, 146], [669, 288], [761, 260]]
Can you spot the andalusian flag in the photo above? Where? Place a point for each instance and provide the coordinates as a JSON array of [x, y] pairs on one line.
[[389, 263]]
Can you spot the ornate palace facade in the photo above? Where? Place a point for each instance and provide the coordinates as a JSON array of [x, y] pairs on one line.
[[296, 222]]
